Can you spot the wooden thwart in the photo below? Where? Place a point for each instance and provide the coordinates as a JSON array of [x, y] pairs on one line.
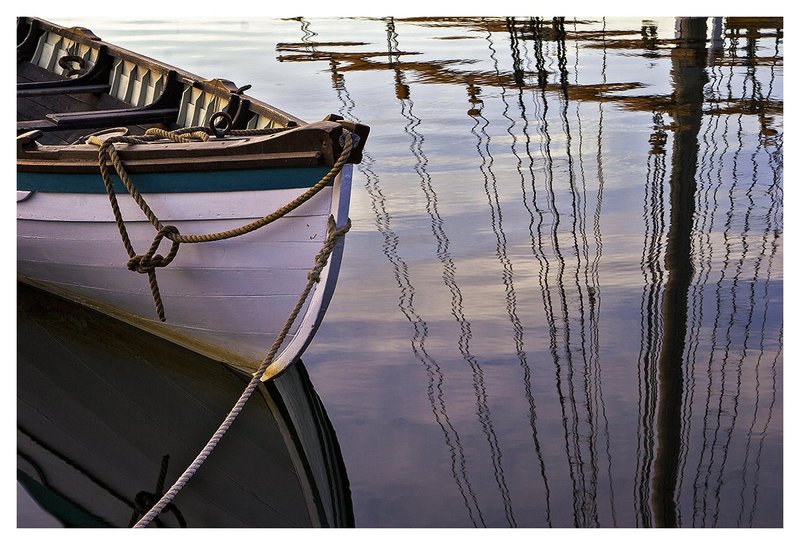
[[62, 90]]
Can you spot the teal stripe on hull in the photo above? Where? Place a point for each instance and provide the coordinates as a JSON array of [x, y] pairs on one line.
[[177, 182]]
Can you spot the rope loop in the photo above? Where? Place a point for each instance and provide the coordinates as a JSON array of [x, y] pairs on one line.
[[148, 262]]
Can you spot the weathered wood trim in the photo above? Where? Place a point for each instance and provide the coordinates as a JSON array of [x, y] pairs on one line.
[[108, 118], [197, 164], [312, 144]]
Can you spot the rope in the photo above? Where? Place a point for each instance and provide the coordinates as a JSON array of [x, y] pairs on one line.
[[148, 262], [320, 261]]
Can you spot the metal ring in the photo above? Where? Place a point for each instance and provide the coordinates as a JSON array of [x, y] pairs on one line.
[[227, 124], [67, 60]]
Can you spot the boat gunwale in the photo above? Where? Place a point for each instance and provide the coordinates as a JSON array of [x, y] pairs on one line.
[[313, 144]]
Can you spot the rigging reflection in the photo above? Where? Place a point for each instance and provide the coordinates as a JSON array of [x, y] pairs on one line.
[[710, 342], [436, 395], [450, 280], [517, 47], [403, 94], [577, 280]]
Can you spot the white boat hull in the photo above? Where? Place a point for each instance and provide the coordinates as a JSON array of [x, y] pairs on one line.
[[227, 299]]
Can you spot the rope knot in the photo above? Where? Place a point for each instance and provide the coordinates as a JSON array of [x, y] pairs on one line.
[[144, 500], [144, 264], [314, 274], [330, 241]]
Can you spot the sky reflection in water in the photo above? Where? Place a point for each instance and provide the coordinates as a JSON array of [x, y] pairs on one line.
[[561, 300]]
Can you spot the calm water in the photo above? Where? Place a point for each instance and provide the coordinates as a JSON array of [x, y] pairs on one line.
[[561, 300]]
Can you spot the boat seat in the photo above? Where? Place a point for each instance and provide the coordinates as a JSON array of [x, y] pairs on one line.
[[154, 98], [63, 89], [102, 118], [122, 116]]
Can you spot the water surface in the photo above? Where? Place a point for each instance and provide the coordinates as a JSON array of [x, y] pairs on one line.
[[561, 300]]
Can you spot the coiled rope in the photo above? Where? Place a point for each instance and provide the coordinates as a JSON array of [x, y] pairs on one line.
[[148, 262]]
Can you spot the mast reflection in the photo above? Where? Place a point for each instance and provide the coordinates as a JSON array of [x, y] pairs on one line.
[[689, 78], [698, 184]]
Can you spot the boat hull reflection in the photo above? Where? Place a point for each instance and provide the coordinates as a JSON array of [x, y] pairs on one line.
[[109, 416]]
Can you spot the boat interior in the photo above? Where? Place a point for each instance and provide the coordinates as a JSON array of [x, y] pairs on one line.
[[70, 83]]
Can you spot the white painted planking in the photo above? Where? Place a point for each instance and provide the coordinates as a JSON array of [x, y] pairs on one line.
[[81, 207], [176, 280]]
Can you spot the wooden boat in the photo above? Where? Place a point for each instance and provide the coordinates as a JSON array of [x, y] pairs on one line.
[[103, 408], [227, 299]]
